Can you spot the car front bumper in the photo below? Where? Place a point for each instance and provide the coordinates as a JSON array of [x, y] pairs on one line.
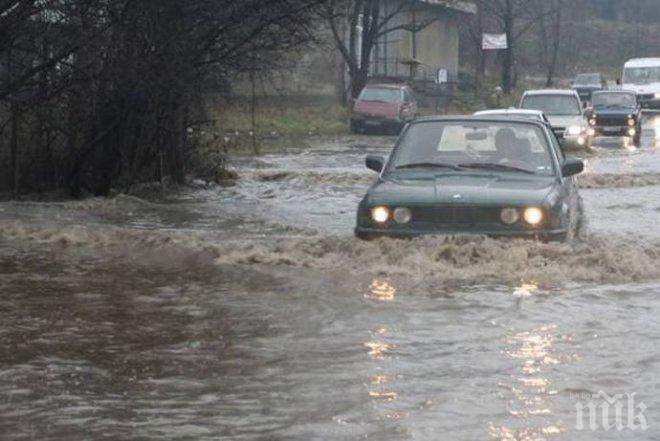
[[614, 131], [368, 233], [376, 121]]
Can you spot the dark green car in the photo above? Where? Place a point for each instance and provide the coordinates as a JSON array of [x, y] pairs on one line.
[[476, 175]]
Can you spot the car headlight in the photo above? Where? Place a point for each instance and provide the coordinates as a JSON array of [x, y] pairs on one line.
[[533, 215], [509, 216], [380, 214], [592, 121], [657, 96], [574, 130], [402, 215], [631, 121]]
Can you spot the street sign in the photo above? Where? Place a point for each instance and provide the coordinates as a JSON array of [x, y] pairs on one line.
[[443, 76], [495, 42]]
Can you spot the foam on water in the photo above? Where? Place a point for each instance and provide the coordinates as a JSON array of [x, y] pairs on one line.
[[462, 259]]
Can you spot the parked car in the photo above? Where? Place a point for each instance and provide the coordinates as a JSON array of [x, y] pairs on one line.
[[473, 175], [386, 107], [616, 113], [642, 76], [565, 113], [586, 84], [515, 113]]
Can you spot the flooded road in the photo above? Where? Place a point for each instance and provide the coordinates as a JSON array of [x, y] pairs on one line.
[[250, 313]]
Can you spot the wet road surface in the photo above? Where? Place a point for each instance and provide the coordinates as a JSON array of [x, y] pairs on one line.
[[250, 313]]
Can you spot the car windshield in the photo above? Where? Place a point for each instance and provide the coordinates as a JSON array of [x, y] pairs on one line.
[[381, 94], [468, 145], [614, 100], [587, 79], [641, 75], [553, 104]]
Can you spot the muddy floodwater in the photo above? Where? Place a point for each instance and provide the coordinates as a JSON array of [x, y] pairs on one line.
[[250, 313]]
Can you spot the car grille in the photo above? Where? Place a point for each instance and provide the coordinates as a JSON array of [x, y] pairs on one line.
[[612, 121], [450, 215]]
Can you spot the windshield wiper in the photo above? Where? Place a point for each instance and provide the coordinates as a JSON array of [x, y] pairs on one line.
[[428, 165], [491, 166]]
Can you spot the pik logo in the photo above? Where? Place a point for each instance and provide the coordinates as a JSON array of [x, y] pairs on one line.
[[618, 412]]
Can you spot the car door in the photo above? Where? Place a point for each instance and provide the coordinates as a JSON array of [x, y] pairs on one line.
[[568, 190]]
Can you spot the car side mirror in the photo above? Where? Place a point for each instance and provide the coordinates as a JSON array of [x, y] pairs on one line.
[[572, 167], [375, 163]]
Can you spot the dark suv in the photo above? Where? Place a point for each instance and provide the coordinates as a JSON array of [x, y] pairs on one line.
[[587, 83], [615, 113]]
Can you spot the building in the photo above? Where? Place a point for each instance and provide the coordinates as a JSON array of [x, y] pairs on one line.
[[425, 41]]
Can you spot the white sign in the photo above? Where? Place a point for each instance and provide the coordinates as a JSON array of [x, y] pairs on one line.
[[495, 42], [443, 76]]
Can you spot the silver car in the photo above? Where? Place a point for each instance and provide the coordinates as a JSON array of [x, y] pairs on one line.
[[564, 110]]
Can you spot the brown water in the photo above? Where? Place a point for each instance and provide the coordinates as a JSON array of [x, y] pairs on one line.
[[250, 313]]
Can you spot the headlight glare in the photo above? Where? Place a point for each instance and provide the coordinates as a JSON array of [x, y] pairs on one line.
[[533, 215], [402, 215], [509, 216], [657, 96], [592, 121], [574, 131], [380, 214]]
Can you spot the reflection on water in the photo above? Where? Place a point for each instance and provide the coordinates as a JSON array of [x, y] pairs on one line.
[[534, 395], [526, 290], [382, 290], [125, 319]]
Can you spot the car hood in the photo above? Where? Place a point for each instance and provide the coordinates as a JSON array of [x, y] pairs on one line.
[[377, 108], [463, 189], [642, 89], [566, 121], [618, 111]]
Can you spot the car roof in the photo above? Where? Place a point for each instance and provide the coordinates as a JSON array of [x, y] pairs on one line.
[[509, 112], [567, 92], [643, 62], [479, 118]]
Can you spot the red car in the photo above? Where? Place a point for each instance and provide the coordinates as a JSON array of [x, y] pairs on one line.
[[384, 106]]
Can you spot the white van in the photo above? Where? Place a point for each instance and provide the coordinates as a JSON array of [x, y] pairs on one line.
[[642, 76]]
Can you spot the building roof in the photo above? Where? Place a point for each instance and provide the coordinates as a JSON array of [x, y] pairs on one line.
[[464, 6]]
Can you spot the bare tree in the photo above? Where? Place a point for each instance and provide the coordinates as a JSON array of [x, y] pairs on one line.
[[550, 27], [363, 23], [102, 93], [514, 18]]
